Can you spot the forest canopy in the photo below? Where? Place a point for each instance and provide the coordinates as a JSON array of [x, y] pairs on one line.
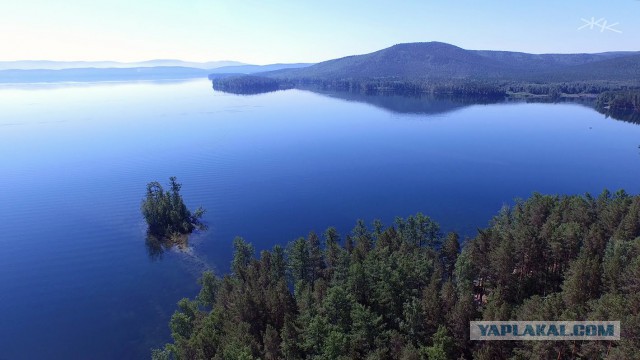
[[408, 291]]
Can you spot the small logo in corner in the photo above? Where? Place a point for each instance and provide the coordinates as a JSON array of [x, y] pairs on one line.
[[601, 24]]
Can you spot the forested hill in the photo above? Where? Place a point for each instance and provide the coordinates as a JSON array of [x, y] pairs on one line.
[[414, 60], [436, 60], [443, 70]]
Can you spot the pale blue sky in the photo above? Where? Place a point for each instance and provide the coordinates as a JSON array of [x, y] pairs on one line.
[[270, 31]]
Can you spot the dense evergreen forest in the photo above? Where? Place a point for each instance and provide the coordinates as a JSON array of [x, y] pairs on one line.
[[407, 291]]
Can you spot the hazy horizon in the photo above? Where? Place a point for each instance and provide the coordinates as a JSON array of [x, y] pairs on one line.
[[240, 63], [255, 32]]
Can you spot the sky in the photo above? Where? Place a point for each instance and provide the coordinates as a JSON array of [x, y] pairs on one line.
[[273, 31]]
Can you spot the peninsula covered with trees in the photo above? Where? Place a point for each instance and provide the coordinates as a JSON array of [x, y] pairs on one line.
[[408, 291]]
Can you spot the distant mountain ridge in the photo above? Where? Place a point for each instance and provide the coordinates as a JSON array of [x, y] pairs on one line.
[[437, 60], [545, 60]]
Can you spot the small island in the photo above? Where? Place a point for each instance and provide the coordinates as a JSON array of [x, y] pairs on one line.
[[168, 219]]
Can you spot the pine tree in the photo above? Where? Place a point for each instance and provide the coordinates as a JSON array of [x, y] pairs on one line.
[[271, 343], [299, 261], [449, 252], [316, 261], [582, 282], [242, 255]]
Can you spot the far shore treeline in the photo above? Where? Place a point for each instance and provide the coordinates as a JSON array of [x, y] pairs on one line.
[[408, 291], [619, 100]]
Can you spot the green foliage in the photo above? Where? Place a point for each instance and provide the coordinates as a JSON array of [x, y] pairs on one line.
[[209, 288], [299, 261], [405, 292], [159, 354], [242, 256], [442, 347], [449, 252], [165, 212]]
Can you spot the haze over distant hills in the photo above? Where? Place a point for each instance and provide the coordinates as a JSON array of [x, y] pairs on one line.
[[79, 71], [415, 62], [252, 69], [59, 65]]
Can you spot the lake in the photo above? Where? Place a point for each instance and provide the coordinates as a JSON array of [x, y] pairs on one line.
[[76, 278]]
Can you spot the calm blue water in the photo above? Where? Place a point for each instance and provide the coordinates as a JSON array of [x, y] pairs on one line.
[[76, 281]]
